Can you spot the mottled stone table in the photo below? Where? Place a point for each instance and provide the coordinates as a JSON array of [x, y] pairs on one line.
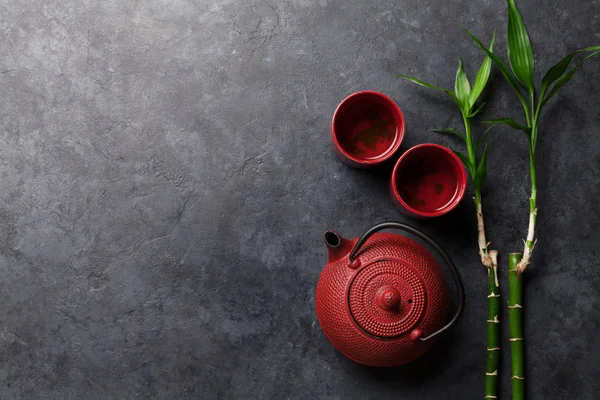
[[166, 177]]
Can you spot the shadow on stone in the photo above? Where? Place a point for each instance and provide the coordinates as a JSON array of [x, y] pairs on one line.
[[429, 365]]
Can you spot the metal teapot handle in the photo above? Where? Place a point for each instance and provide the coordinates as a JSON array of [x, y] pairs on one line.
[[460, 291]]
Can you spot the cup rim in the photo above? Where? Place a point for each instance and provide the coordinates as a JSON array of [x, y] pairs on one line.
[[399, 135], [461, 182]]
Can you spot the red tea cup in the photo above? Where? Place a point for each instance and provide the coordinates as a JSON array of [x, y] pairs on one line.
[[367, 129], [428, 180]]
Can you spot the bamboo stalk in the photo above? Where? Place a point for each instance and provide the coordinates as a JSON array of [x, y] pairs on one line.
[[489, 259], [529, 243], [515, 320], [493, 333], [465, 96]]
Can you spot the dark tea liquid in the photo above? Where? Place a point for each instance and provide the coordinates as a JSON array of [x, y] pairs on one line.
[[366, 128], [427, 184]]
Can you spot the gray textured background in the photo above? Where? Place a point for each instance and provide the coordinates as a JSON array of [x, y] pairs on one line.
[[166, 176]]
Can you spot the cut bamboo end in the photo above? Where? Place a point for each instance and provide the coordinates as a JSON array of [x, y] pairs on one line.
[[516, 306], [518, 377], [517, 339]]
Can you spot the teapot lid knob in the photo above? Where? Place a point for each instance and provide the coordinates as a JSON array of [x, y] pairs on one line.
[[387, 298]]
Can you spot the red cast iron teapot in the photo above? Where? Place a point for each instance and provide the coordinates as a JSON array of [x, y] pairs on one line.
[[382, 299]]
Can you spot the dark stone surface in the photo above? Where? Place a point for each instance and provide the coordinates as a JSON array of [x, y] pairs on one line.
[[166, 176]]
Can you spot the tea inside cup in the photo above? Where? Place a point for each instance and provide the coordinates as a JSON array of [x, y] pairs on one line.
[[368, 127], [429, 180]]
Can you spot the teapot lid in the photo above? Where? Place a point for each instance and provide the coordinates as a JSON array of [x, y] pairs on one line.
[[386, 298]]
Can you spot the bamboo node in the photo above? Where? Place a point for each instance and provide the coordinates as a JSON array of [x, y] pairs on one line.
[[492, 373], [486, 260], [517, 339], [493, 348], [495, 320], [521, 266], [516, 306], [518, 377]]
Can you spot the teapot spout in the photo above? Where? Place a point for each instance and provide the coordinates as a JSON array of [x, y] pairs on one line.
[[337, 246]]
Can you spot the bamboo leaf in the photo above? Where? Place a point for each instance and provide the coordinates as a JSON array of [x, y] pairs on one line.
[[479, 109], [482, 76], [565, 78], [510, 122], [430, 86], [481, 173], [462, 88], [508, 76], [520, 53], [450, 130], [559, 68], [483, 136], [465, 160]]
